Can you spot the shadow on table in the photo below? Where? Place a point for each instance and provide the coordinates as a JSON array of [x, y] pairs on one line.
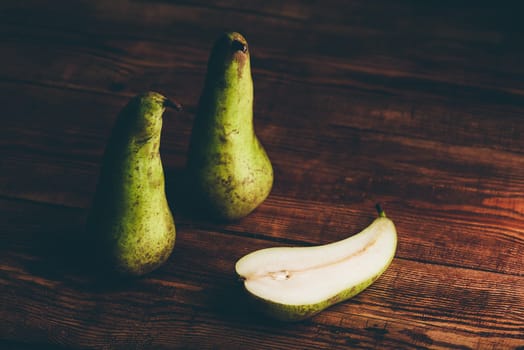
[[182, 201], [68, 256]]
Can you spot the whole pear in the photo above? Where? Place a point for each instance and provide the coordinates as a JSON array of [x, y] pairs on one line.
[[130, 220], [230, 172]]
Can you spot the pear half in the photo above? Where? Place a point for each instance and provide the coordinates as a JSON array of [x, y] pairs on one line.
[[294, 283]]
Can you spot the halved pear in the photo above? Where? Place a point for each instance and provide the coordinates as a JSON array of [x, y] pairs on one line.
[[294, 283]]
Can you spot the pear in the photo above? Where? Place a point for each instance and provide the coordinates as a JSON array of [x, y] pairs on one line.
[[230, 172], [294, 283], [130, 221]]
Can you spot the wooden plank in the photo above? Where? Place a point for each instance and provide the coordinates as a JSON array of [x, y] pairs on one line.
[[132, 57], [195, 298], [303, 140], [326, 194], [484, 35], [428, 108]]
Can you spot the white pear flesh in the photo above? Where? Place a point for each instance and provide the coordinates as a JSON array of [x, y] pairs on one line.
[[297, 282]]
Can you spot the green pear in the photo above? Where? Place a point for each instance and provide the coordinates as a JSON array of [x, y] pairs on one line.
[[130, 220], [294, 283], [229, 170]]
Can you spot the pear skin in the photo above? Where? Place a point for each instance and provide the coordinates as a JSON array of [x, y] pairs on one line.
[[230, 172], [130, 221]]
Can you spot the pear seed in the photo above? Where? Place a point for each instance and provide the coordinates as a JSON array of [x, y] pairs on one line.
[[281, 275]]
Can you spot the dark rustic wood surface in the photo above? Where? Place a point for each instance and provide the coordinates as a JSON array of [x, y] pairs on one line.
[[418, 106]]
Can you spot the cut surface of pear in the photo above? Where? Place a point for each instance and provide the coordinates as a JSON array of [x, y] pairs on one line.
[[293, 283]]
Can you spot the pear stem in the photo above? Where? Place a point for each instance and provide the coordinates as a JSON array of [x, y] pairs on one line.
[[380, 211], [173, 104]]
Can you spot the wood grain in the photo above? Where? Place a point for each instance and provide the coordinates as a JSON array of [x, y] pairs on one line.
[[197, 286], [417, 106]]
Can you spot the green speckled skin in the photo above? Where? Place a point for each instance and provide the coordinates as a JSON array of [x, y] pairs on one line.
[[130, 219], [229, 169]]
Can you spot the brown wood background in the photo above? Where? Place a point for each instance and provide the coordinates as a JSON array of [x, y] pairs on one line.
[[417, 105]]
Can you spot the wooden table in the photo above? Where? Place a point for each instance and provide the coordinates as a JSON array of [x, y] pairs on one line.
[[419, 107]]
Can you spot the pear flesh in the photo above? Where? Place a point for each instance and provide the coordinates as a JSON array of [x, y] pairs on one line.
[[294, 283], [230, 172], [130, 223]]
